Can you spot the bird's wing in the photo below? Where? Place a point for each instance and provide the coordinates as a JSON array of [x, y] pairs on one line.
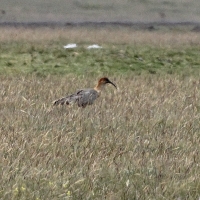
[[87, 97], [69, 99], [82, 97]]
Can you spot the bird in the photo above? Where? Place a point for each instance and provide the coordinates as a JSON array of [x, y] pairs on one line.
[[85, 97]]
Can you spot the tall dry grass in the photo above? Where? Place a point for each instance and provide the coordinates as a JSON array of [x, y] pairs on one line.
[[100, 35], [138, 142]]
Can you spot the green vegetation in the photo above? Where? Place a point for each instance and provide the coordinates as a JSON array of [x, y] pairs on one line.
[[52, 58], [138, 142]]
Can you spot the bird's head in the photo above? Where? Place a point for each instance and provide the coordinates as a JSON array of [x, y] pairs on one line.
[[104, 81]]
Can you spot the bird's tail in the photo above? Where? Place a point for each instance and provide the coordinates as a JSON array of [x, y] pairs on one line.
[[66, 100], [61, 101]]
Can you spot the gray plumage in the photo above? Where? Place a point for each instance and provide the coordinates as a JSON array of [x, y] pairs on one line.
[[82, 98]]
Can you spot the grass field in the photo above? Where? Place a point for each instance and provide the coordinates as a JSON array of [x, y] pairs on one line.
[[140, 141]]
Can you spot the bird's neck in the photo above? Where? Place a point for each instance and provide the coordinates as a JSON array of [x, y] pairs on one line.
[[99, 87]]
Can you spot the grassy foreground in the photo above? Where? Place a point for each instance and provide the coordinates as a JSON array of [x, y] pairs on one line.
[[141, 141], [138, 142]]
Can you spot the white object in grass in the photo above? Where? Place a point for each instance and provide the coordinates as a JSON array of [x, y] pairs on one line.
[[70, 46], [94, 46]]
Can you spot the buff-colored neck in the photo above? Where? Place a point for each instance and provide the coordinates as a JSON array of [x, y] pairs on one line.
[[99, 87]]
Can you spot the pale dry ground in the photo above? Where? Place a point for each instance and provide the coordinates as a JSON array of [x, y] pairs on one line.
[[95, 10], [100, 35], [140, 141]]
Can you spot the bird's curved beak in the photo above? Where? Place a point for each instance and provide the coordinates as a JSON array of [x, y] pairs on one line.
[[112, 84]]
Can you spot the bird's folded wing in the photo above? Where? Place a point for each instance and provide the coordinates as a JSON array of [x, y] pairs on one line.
[[82, 97], [68, 99], [86, 97]]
